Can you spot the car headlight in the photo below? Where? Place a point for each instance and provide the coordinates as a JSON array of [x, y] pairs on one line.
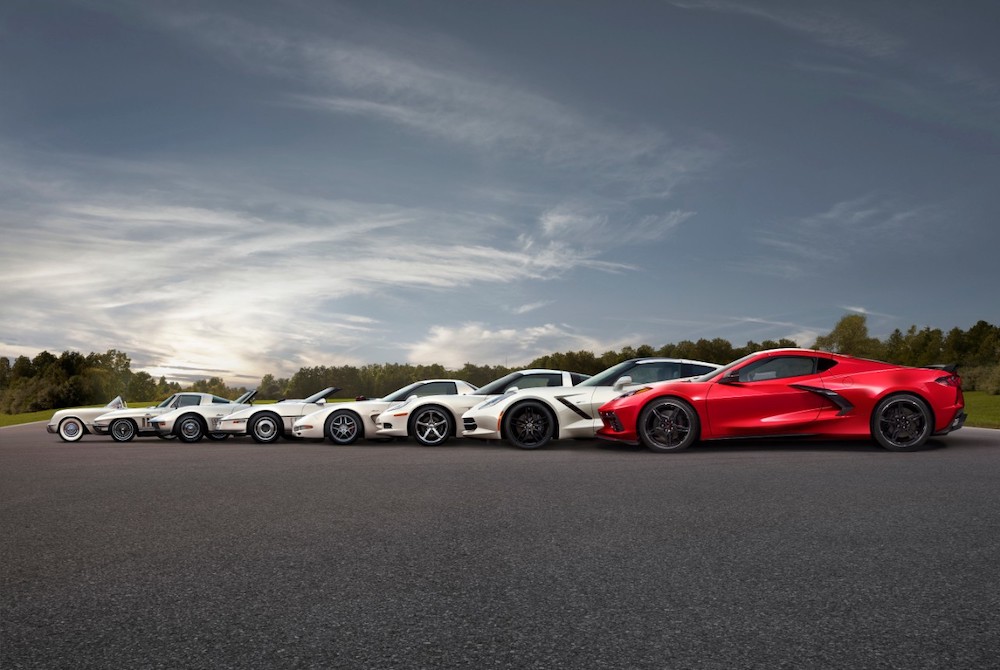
[[629, 394], [489, 403], [399, 405]]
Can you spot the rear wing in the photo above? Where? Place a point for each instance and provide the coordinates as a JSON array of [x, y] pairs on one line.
[[947, 367]]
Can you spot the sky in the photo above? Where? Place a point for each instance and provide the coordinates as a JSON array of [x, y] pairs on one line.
[[237, 187]]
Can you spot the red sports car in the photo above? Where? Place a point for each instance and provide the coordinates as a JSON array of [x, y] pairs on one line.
[[791, 392]]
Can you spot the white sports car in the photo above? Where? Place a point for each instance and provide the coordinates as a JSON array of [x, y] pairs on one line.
[[531, 418], [266, 423], [124, 425], [73, 423], [190, 424], [434, 419], [346, 422]]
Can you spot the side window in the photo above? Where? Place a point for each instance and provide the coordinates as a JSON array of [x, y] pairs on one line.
[[692, 370], [779, 367], [824, 364], [436, 388], [649, 373], [189, 400], [536, 381]]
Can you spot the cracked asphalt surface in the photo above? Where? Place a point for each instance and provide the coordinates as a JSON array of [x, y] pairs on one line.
[[582, 555]]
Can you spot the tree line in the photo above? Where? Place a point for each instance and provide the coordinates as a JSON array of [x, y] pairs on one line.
[[48, 381]]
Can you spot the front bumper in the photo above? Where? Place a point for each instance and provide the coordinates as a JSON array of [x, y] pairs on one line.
[[50, 428], [391, 430], [471, 428]]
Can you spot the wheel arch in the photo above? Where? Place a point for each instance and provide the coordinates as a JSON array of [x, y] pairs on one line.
[[253, 418], [901, 392], [198, 417]]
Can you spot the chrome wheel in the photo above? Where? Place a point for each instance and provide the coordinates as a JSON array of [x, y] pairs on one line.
[[431, 426], [190, 428], [71, 429], [122, 430], [343, 427], [265, 428]]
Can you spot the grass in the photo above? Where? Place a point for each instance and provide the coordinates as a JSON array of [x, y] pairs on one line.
[[983, 409]]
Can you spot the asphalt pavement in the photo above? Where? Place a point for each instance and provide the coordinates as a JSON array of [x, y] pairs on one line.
[[156, 554]]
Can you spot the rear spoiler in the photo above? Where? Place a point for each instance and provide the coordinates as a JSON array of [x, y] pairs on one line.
[[947, 367]]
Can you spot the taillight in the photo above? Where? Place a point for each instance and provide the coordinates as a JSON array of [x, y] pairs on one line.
[[950, 380]]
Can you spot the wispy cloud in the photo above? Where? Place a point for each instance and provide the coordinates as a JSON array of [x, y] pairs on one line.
[[797, 247], [819, 22]]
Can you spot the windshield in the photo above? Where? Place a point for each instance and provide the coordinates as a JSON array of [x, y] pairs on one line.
[[497, 386], [166, 403], [316, 397], [723, 370], [403, 393], [609, 376]]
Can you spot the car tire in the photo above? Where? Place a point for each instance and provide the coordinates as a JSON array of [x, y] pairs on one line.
[[190, 428], [529, 425], [122, 430], [343, 427], [265, 428], [668, 424], [71, 429], [901, 422], [431, 426]]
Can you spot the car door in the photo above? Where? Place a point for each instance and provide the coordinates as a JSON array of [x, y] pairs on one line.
[[767, 396]]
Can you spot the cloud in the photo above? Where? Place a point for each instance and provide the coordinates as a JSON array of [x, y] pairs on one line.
[[452, 96], [513, 347], [530, 307], [837, 236], [816, 22]]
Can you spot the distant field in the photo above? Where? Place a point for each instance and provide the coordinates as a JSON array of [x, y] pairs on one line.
[[983, 410]]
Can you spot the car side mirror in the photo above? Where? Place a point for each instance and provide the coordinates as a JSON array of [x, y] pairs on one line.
[[361, 398], [622, 383], [512, 389], [730, 377], [321, 401]]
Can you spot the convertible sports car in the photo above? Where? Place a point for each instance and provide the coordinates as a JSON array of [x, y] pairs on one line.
[[792, 392], [125, 424], [266, 423], [72, 424], [531, 418], [190, 424], [346, 422], [432, 420]]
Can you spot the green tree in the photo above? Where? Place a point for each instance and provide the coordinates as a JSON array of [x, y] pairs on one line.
[[850, 336]]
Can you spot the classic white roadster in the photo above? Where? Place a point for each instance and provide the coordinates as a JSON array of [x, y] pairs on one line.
[[190, 424], [266, 423], [124, 425], [73, 423], [347, 422], [531, 418], [433, 420]]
